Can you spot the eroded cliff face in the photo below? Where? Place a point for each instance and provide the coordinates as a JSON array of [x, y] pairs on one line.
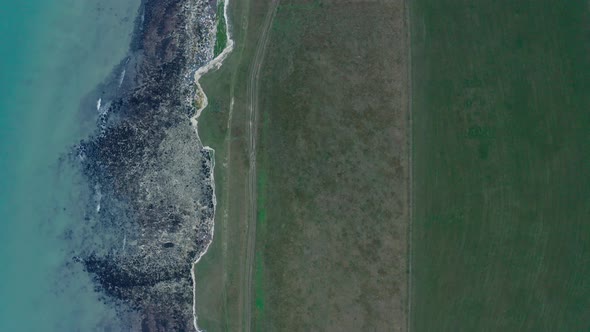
[[152, 205]]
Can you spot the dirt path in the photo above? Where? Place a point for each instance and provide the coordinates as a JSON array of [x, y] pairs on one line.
[[252, 133]]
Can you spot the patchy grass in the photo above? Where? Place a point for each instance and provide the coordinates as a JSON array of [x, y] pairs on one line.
[[333, 152]]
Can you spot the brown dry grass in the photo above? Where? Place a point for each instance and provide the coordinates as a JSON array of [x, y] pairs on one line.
[[332, 242]]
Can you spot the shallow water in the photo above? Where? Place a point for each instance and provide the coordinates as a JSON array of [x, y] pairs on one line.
[[52, 56]]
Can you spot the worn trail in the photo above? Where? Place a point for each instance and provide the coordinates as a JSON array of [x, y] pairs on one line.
[[252, 133]]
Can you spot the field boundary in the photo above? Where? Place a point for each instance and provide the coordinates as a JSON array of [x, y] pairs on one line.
[[408, 15]]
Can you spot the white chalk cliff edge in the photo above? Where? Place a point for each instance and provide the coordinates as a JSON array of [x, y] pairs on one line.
[[202, 102]]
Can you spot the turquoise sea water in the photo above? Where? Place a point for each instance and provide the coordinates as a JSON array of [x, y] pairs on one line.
[[52, 55]]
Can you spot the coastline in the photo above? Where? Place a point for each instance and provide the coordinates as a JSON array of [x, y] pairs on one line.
[[148, 167], [212, 65]]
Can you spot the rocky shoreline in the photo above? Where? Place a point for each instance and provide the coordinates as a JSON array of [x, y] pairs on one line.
[[151, 208]]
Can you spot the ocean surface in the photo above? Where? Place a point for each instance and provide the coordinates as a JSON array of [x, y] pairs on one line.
[[53, 55]]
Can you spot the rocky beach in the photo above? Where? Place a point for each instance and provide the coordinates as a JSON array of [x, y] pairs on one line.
[[151, 196]]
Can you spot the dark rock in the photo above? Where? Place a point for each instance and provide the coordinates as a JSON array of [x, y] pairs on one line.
[[153, 202]]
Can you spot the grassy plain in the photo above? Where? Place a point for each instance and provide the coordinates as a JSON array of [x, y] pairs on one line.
[[331, 242], [501, 234], [222, 273]]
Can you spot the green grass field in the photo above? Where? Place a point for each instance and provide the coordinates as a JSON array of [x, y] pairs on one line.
[[501, 112], [221, 35], [221, 273]]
